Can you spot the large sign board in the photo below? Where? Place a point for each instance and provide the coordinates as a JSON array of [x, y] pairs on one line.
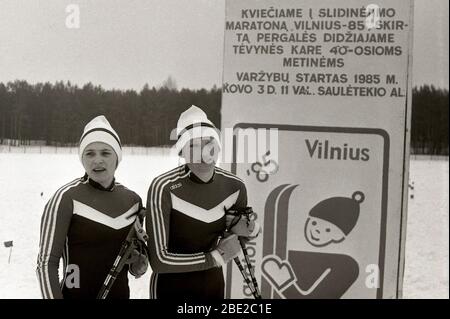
[[321, 91]]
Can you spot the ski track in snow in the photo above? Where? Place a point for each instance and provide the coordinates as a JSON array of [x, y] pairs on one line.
[[24, 176]]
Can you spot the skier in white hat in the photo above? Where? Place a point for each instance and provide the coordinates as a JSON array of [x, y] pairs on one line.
[[186, 216], [86, 221]]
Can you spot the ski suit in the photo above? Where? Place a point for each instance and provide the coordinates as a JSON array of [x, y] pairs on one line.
[[85, 224], [185, 218]]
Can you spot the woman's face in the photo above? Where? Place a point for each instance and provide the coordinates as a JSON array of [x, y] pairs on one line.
[[100, 162], [201, 152]]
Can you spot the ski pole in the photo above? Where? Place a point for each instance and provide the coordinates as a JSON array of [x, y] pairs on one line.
[[115, 270], [125, 251], [237, 213], [247, 281], [250, 269], [242, 270]]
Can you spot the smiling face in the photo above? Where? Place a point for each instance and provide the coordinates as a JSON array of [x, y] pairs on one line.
[[319, 232], [100, 163]]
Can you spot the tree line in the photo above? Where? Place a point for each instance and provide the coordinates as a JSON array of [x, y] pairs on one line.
[[55, 114], [429, 121]]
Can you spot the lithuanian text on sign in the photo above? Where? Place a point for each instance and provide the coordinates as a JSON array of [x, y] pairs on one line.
[[316, 50]]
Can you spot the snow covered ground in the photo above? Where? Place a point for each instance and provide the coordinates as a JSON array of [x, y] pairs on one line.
[[25, 174], [427, 237]]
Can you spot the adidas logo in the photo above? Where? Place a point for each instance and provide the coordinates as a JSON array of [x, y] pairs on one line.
[[175, 186]]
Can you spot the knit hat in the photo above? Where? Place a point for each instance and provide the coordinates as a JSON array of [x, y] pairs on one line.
[[340, 211], [99, 130], [194, 123]]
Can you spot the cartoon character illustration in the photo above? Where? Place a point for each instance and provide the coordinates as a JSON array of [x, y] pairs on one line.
[[305, 274], [331, 220]]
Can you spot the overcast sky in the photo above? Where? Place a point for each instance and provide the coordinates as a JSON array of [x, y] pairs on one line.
[[127, 43]]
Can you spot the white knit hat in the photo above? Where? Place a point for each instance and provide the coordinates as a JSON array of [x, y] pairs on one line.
[[99, 130], [194, 123]]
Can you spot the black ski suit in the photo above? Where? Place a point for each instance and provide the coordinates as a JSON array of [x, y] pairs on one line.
[[85, 224], [185, 217]]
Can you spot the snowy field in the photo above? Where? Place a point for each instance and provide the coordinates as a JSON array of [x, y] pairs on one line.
[[427, 267], [25, 173]]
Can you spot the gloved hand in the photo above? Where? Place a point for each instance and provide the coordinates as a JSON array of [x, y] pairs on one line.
[[246, 228], [138, 263], [227, 249], [140, 232]]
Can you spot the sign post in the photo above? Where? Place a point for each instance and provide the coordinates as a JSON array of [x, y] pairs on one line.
[[318, 94]]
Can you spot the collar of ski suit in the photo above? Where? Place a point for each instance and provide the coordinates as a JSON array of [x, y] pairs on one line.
[[98, 186], [196, 179]]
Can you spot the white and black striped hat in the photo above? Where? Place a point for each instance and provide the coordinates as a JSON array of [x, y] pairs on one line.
[[99, 130], [194, 123]]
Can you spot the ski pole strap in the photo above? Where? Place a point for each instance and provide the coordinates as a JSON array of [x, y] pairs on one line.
[[234, 210], [237, 213], [233, 222]]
